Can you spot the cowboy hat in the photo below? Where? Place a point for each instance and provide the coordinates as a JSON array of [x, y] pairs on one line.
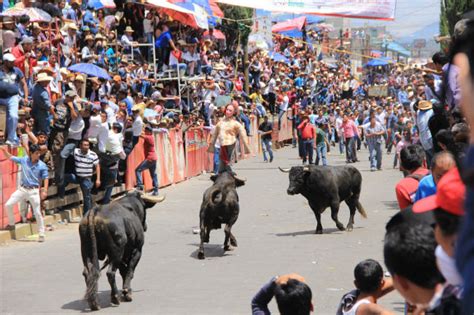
[[72, 26], [80, 78], [220, 66], [47, 69], [43, 77], [129, 29], [425, 105], [89, 37]]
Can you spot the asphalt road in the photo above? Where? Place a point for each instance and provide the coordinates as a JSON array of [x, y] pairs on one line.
[[275, 234]]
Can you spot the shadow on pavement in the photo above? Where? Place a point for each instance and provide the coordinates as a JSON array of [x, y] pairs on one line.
[[309, 232], [210, 250], [391, 205], [82, 306]]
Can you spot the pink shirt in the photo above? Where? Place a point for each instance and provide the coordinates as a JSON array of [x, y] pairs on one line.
[[350, 129]]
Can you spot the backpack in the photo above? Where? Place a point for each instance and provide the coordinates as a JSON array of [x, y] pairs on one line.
[[418, 178]]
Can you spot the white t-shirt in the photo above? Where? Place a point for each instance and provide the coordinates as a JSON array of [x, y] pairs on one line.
[[137, 126], [94, 126], [103, 136], [76, 128], [114, 143]]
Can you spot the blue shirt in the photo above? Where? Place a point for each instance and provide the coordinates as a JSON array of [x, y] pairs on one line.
[[426, 188], [14, 76], [31, 174], [163, 41]]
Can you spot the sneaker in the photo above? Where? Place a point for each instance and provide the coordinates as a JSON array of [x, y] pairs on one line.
[[271, 159], [155, 193], [139, 188], [379, 169], [41, 239], [372, 169]]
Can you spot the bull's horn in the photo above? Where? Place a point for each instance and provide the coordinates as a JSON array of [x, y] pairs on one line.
[[154, 199], [306, 168], [284, 170]]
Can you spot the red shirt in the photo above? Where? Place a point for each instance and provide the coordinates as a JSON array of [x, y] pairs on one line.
[[307, 130], [407, 187], [149, 146]]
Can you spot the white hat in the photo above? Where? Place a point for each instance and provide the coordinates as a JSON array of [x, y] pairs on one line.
[[9, 57], [43, 76]]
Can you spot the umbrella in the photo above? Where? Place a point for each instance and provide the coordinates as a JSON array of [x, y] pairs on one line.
[[277, 57], [378, 62], [91, 70], [100, 4], [35, 14]]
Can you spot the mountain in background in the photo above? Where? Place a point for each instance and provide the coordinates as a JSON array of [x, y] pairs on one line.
[[427, 32]]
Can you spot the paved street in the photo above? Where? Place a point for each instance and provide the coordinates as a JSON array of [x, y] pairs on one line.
[[275, 234]]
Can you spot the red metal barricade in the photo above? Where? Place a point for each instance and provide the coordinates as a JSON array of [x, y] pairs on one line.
[[8, 185]]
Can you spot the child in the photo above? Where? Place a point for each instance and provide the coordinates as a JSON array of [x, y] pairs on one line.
[[370, 286]]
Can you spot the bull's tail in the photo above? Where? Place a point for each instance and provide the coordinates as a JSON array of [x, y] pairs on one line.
[[361, 210], [217, 196], [92, 268]]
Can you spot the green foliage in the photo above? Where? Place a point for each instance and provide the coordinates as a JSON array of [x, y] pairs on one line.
[[451, 12], [233, 29]]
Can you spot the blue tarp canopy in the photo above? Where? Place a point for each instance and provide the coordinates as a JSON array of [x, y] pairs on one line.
[[379, 62], [396, 47], [277, 57], [292, 33]]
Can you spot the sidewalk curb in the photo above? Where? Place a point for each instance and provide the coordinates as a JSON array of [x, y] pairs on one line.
[[24, 230]]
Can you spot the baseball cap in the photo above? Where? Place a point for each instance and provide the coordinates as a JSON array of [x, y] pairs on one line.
[[9, 57], [450, 195]]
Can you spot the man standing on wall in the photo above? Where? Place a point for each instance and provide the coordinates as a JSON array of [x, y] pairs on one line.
[[34, 175], [150, 160]]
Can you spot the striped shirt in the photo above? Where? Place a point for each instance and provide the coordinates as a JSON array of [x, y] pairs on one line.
[[85, 163]]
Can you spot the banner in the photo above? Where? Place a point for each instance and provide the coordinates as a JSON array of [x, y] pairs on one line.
[[362, 9], [378, 91]]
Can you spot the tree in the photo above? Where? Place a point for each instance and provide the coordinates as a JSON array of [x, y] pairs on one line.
[[451, 13], [237, 25]]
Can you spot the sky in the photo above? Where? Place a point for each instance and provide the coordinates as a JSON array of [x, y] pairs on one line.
[[410, 17]]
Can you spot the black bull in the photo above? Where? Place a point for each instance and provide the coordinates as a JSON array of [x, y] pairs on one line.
[[117, 232], [328, 186], [220, 205]]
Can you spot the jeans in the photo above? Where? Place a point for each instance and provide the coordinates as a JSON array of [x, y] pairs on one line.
[[267, 147], [341, 146], [351, 155], [86, 186], [375, 150], [147, 165], [181, 67], [390, 140], [112, 174], [12, 103], [33, 197], [206, 69], [261, 110], [217, 151], [307, 149], [321, 152], [429, 156]]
